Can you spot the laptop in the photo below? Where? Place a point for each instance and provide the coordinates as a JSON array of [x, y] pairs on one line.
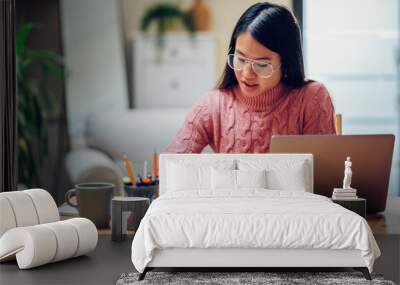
[[371, 157]]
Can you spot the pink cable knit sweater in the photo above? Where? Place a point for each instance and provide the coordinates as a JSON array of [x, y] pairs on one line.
[[231, 122]]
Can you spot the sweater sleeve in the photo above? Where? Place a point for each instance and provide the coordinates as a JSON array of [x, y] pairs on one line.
[[196, 132], [319, 112]]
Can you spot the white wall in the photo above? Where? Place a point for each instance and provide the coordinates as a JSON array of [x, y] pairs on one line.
[[93, 49]]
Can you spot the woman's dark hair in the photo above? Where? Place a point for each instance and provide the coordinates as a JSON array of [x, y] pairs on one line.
[[276, 28]]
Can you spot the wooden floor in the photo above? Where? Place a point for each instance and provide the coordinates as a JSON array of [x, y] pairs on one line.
[[111, 259]]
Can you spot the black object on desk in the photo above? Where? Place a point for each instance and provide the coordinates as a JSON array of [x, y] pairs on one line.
[[122, 207], [357, 205], [150, 191]]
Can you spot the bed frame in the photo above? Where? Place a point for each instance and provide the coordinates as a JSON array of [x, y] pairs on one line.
[[256, 258], [242, 258]]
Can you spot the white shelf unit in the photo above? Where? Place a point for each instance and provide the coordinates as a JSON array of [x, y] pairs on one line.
[[176, 75]]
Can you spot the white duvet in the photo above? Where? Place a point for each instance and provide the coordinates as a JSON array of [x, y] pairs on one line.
[[252, 218]]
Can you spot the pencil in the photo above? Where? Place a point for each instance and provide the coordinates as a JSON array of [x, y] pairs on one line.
[[129, 169], [155, 165]]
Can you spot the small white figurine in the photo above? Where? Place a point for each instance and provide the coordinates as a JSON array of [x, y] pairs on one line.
[[347, 173]]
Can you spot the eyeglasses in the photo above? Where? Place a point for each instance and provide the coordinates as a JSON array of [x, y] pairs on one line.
[[261, 68]]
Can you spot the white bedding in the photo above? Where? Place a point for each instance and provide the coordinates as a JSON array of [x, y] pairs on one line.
[[251, 218]]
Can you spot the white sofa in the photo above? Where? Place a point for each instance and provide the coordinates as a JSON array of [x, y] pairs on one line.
[[135, 132]]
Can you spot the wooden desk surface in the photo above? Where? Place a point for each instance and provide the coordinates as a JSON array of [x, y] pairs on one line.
[[387, 222], [106, 231]]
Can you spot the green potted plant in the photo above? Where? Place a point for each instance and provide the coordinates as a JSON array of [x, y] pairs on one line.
[[165, 16], [34, 104]]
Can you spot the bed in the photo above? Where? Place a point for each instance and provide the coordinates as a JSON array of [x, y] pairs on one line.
[[247, 210]]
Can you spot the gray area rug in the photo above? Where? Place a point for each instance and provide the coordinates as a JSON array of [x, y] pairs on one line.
[[228, 278]]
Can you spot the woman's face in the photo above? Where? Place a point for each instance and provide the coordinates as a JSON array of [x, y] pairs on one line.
[[250, 83]]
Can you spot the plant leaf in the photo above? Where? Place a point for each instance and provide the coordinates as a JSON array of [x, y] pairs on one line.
[[161, 12], [45, 55], [34, 104], [22, 35]]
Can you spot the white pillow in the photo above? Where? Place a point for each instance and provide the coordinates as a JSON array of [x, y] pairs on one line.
[[181, 177], [251, 178], [236, 179], [187, 175], [292, 178], [223, 179], [281, 174]]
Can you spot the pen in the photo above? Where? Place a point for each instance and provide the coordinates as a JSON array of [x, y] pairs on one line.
[[129, 169], [155, 165]]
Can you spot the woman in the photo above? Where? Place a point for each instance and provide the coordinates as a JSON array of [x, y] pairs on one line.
[[262, 92]]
